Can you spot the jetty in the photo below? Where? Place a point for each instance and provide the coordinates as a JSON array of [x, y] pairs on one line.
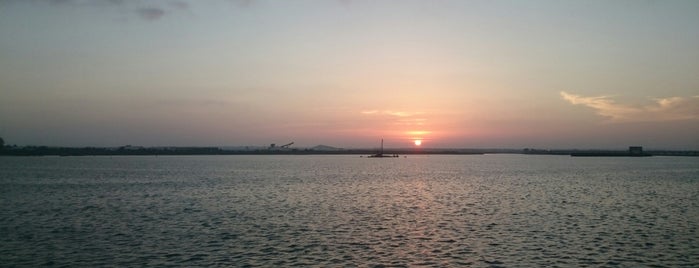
[[634, 151]]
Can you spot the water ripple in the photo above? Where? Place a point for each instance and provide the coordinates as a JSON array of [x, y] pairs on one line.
[[429, 211]]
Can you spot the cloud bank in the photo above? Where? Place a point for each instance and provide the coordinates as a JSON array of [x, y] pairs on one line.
[[391, 113], [398, 117], [146, 10], [660, 109]]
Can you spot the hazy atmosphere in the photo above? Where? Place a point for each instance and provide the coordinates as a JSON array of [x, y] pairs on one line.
[[547, 74]]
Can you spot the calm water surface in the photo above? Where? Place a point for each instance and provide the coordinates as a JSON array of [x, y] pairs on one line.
[[439, 211]]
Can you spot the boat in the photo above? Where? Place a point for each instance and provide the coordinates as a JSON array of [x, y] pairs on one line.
[[380, 153]]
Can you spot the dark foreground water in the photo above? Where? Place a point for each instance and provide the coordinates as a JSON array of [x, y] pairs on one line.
[[440, 211]]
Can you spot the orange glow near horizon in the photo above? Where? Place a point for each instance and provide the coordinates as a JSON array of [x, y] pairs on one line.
[[418, 132], [417, 136]]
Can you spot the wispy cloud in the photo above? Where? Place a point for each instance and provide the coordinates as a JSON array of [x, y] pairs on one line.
[[411, 121], [189, 103], [660, 109], [179, 4], [390, 113], [401, 118], [66, 2], [150, 13], [146, 10], [242, 3]]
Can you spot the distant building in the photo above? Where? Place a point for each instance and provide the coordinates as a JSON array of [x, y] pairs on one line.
[[131, 148], [635, 150], [325, 148]]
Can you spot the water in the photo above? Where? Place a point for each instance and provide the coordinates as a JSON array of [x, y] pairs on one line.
[[439, 211]]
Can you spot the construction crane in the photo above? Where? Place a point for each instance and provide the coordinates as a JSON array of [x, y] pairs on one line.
[[287, 145], [274, 146]]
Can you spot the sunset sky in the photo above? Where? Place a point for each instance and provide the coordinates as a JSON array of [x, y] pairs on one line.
[[474, 74]]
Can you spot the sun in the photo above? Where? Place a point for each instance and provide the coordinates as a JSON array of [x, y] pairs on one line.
[[418, 142]]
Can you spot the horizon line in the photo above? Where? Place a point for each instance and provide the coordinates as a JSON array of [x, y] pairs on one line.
[[415, 148]]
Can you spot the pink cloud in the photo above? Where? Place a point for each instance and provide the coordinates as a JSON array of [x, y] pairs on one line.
[[660, 109]]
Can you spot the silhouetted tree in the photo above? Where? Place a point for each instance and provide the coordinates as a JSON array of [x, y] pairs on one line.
[[2, 143]]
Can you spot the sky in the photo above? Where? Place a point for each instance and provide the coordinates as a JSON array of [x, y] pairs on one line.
[[347, 73]]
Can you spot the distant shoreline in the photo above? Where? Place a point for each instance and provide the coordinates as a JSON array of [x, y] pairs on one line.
[[105, 151]]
